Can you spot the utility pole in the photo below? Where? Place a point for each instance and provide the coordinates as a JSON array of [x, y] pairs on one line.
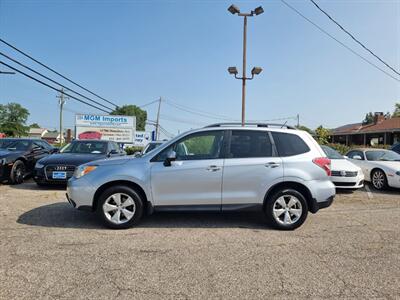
[[158, 120], [298, 120], [61, 102]]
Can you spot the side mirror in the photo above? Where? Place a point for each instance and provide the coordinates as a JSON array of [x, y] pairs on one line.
[[171, 156], [137, 154], [112, 152], [357, 157]]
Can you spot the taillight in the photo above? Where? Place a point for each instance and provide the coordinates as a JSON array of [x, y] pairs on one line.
[[324, 163]]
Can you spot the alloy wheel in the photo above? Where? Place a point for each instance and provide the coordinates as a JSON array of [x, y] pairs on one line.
[[287, 209], [19, 173], [378, 179], [119, 208]]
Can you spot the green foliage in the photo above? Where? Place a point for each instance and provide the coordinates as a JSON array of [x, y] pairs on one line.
[[200, 145], [369, 118], [396, 113], [322, 135], [305, 128], [12, 119], [133, 110], [132, 150], [34, 125]]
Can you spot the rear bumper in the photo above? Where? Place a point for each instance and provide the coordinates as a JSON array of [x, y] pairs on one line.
[[316, 206]]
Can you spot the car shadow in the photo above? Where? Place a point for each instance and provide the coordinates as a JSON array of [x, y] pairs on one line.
[[31, 185], [62, 215]]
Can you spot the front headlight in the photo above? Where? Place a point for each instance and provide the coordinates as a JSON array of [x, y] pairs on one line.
[[39, 165], [83, 170]]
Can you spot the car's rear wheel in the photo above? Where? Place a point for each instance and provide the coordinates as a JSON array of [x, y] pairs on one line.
[[17, 173], [378, 179], [286, 209], [120, 207]]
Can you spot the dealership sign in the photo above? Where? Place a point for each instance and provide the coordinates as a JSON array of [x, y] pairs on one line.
[[142, 138], [120, 129]]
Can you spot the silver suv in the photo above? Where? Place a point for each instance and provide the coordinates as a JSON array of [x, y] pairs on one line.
[[223, 167]]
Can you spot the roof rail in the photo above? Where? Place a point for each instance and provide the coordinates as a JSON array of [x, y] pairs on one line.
[[252, 124]]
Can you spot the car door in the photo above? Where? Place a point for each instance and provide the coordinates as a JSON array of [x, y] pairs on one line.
[[358, 158], [250, 167], [195, 177]]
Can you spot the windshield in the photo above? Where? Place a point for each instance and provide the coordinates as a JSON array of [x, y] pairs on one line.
[[5, 143], [382, 155], [331, 153], [151, 147], [17, 145], [85, 147]]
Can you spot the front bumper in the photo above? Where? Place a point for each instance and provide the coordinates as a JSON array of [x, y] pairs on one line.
[[342, 182], [80, 192]]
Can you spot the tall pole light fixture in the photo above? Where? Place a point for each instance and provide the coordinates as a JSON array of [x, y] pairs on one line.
[[233, 9]]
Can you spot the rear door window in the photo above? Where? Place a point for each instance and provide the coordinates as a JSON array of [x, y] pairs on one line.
[[289, 144], [249, 143]]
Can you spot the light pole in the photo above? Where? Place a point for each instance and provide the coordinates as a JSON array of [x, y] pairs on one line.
[[233, 70]]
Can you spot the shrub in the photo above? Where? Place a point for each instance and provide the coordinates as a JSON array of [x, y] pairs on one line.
[[132, 150]]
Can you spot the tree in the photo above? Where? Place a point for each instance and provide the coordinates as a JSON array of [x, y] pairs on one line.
[[12, 119], [322, 135], [396, 112], [305, 128], [133, 110], [369, 118], [34, 125]]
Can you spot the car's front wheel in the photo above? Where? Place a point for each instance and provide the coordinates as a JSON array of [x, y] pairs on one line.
[[378, 179], [120, 207], [286, 209], [17, 172]]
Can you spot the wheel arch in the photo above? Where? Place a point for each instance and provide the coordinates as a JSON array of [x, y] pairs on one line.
[[127, 183], [301, 188]]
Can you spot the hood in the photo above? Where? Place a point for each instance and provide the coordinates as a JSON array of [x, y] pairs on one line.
[[112, 161], [343, 165], [72, 159]]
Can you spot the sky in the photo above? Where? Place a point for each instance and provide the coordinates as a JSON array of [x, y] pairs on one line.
[[133, 52]]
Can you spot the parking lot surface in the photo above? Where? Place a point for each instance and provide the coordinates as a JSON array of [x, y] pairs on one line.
[[49, 250]]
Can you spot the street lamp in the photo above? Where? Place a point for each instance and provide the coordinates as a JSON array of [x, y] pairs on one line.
[[233, 9]]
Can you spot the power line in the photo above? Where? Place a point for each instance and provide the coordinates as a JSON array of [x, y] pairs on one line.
[[56, 82], [354, 38], [147, 104], [185, 121], [52, 70], [335, 39], [199, 112], [53, 88]]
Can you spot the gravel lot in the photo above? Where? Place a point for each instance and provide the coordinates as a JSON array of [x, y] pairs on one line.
[[49, 250]]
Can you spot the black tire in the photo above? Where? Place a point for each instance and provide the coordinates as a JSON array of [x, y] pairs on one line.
[[138, 205], [287, 194], [17, 173], [382, 184]]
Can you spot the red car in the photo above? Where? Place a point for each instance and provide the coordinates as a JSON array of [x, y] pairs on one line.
[[90, 135]]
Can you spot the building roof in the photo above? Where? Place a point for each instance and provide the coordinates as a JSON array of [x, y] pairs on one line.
[[384, 125], [37, 130], [51, 135]]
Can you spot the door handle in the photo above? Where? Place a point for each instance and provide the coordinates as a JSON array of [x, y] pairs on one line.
[[213, 168], [272, 165]]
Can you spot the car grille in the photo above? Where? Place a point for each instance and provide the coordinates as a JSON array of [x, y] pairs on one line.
[[344, 183], [50, 168], [344, 174]]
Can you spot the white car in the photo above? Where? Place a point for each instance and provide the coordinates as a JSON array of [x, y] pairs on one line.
[[344, 174], [380, 167]]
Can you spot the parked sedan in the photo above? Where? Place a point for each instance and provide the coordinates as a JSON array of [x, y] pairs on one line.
[[18, 157], [344, 174], [380, 167], [58, 168]]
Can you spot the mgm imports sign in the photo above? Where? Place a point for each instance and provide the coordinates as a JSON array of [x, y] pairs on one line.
[[119, 129]]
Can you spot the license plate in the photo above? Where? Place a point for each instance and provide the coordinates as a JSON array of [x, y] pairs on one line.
[[59, 175]]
